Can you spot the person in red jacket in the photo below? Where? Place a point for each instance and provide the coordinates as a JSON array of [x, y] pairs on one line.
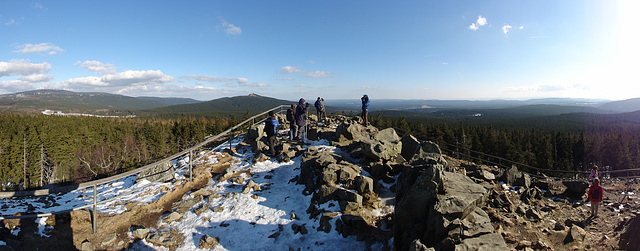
[[595, 196]]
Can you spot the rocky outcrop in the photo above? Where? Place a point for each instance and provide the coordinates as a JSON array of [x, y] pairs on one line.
[[161, 173], [442, 210]]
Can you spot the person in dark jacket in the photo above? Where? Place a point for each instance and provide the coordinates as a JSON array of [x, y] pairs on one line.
[[301, 120], [365, 108], [595, 196], [320, 112], [271, 128], [291, 118]]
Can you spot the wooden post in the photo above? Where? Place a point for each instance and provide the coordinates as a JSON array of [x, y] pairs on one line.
[[190, 165], [95, 206]]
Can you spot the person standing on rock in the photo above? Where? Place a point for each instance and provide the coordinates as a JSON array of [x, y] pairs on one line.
[[365, 109], [320, 112], [301, 120], [595, 196], [291, 118], [271, 127]]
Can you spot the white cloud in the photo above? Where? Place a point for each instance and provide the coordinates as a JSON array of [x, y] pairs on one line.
[[12, 86], [47, 48], [84, 82], [291, 69], [506, 28], [230, 28], [38, 6], [22, 67], [245, 83], [480, 22], [36, 78], [521, 27], [318, 74], [98, 67], [136, 78], [300, 85], [445, 63]]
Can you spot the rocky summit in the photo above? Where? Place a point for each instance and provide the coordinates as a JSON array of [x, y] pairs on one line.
[[350, 183]]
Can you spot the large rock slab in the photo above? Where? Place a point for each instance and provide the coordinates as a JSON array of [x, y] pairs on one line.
[[162, 173], [488, 242], [420, 153], [415, 196], [381, 150], [461, 195]]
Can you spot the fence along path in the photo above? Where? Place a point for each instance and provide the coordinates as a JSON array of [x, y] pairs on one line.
[[228, 134]]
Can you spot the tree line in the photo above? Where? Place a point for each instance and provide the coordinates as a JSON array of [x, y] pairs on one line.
[[611, 144], [37, 150]]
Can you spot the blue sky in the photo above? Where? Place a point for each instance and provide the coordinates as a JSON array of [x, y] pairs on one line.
[[335, 49]]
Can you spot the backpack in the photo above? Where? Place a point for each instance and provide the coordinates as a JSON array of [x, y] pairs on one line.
[[595, 195]]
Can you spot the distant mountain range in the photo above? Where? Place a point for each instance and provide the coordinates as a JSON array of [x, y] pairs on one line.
[[82, 102], [112, 104]]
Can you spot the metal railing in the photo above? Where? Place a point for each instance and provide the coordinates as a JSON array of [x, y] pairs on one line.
[[229, 134], [506, 163]]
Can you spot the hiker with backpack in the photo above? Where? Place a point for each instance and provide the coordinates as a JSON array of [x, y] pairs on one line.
[[595, 196], [271, 128], [291, 118]]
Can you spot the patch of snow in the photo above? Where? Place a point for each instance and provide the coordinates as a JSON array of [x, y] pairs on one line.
[[43, 228]]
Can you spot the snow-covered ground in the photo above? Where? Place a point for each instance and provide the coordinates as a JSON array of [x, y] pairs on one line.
[[245, 222]]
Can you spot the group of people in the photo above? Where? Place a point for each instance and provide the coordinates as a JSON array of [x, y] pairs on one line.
[[296, 116]]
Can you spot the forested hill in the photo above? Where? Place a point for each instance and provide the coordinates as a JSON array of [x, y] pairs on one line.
[[239, 105], [82, 102]]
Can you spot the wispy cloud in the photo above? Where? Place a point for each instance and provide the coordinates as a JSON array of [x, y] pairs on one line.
[[47, 48], [300, 85], [318, 74], [480, 22], [39, 6], [210, 79], [99, 67], [291, 69], [230, 28]]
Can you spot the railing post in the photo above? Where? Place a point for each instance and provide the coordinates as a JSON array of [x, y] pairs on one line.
[[191, 165], [230, 138], [95, 206]]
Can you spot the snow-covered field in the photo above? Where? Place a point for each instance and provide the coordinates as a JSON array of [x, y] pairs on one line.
[[259, 220]]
